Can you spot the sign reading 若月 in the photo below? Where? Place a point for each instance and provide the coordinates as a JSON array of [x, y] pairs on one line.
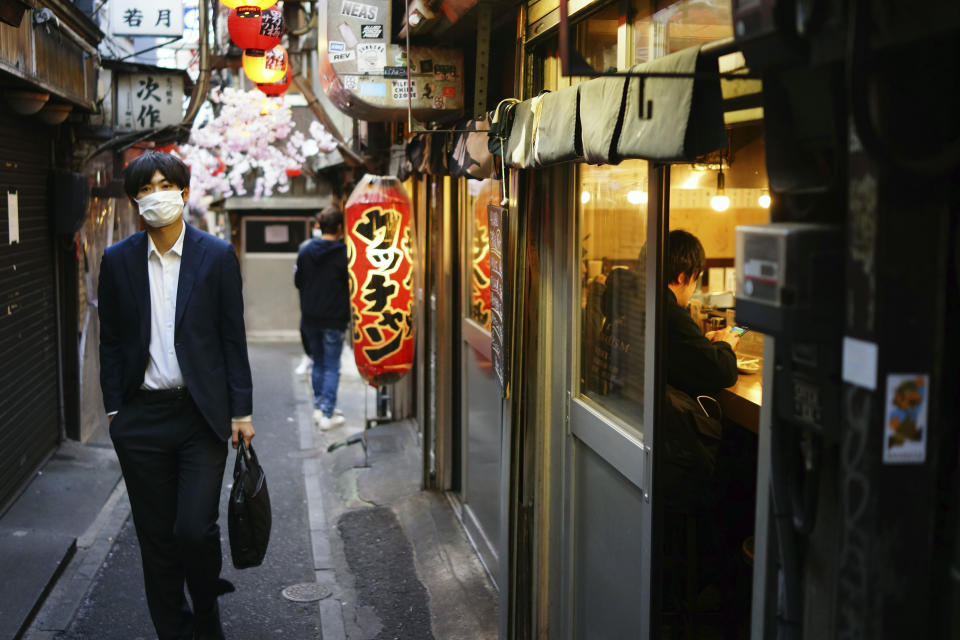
[[137, 18], [149, 100]]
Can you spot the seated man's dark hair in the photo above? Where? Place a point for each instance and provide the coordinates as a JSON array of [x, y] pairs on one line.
[[329, 219], [141, 169], [684, 255]]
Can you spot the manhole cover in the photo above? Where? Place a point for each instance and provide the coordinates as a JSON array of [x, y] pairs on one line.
[[306, 592]]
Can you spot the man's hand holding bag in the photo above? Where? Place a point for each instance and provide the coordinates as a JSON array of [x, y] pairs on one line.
[[248, 514]]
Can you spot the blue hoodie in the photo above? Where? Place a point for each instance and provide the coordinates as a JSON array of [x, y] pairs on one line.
[[321, 277]]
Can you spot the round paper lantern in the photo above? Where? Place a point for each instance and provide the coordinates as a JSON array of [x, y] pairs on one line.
[[276, 88], [264, 67], [259, 4], [378, 233], [293, 172], [251, 28]]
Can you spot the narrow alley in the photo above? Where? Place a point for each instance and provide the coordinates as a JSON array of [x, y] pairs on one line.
[[393, 559]]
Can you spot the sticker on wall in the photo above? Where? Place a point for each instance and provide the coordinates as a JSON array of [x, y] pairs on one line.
[[426, 66], [350, 82], [400, 90], [444, 72], [371, 31], [373, 89], [428, 89], [905, 419], [336, 47], [349, 38], [394, 72], [359, 10], [438, 102], [449, 92], [342, 57], [371, 57]]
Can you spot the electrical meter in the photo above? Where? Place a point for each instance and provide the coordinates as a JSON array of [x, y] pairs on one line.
[[790, 278]]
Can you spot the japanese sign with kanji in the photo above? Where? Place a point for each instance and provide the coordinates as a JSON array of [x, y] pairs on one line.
[[378, 237], [149, 100], [138, 18]]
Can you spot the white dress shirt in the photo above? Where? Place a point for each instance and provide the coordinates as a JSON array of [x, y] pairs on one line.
[[163, 271]]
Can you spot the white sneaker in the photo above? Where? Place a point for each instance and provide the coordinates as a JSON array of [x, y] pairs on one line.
[[331, 422], [317, 416], [304, 365]]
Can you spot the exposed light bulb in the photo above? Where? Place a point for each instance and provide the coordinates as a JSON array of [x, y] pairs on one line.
[[637, 196], [584, 197], [720, 202], [764, 200]]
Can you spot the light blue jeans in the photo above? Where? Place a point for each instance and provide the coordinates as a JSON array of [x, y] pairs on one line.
[[325, 348]]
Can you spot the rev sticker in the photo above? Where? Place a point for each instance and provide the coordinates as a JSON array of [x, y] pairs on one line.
[[400, 89], [342, 57], [358, 10], [371, 31]]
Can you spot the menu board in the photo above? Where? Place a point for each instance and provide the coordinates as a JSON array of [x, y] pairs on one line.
[[497, 228]]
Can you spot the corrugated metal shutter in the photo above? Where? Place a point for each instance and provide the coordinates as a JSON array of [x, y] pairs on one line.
[[29, 422]]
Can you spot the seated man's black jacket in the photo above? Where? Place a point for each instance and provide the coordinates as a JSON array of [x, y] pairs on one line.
[[694, 364]]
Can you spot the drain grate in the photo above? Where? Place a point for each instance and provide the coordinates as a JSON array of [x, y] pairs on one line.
[[306, 592]]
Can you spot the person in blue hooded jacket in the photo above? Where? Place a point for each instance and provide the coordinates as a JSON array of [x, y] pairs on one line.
[[321, 277]]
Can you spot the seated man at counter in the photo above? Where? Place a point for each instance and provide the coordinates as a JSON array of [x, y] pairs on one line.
[[697, 363]]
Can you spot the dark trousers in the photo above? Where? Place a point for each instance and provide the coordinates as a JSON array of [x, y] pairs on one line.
[[173, 464]]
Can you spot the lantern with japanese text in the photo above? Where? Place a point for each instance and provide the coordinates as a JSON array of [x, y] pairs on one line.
[[252, 28], [264, 67], [275, 88], [259, 4], [378, 235]]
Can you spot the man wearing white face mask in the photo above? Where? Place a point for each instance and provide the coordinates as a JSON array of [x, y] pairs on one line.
[[176, 385]]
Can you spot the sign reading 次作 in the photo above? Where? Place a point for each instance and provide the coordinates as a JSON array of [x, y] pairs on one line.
[[138, 18], [149, 100]]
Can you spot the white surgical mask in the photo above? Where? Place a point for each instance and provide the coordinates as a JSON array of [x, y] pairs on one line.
[[317, 233], [161, 208]]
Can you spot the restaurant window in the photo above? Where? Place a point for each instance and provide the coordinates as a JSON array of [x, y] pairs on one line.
[[695, 207], [612, 213], [480, 194]]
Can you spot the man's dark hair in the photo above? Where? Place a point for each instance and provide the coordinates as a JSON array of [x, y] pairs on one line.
[[684, 255], [141, 169], [329, 219]]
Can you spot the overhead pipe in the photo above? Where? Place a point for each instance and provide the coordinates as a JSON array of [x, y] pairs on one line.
[[202, 86]]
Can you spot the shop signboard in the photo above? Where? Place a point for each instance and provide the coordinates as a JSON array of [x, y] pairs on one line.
[[162, 18], [149, 100], [497, 228]]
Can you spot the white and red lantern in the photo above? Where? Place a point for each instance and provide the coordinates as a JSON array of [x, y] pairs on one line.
[[378, 233], [265, 67], [254, 28], [275, 88]]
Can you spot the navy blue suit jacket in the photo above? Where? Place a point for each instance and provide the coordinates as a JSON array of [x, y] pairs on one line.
[[209, 335]]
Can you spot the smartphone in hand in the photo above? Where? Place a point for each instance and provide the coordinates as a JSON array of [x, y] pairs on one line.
[[739, 331]]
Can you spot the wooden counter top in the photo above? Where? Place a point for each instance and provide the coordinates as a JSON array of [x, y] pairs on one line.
[[741, 402]]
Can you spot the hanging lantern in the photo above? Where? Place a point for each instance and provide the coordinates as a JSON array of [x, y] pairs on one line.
[[276, 88], [259, 4], [378, 234], [251, 28], [293, 172], [264, 67]]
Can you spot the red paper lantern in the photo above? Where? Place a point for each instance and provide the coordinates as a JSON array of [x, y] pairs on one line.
[[275, 88], [378, 237], [251, 28], [265, 67], [259, 4], [293, 172], [220, 168]]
